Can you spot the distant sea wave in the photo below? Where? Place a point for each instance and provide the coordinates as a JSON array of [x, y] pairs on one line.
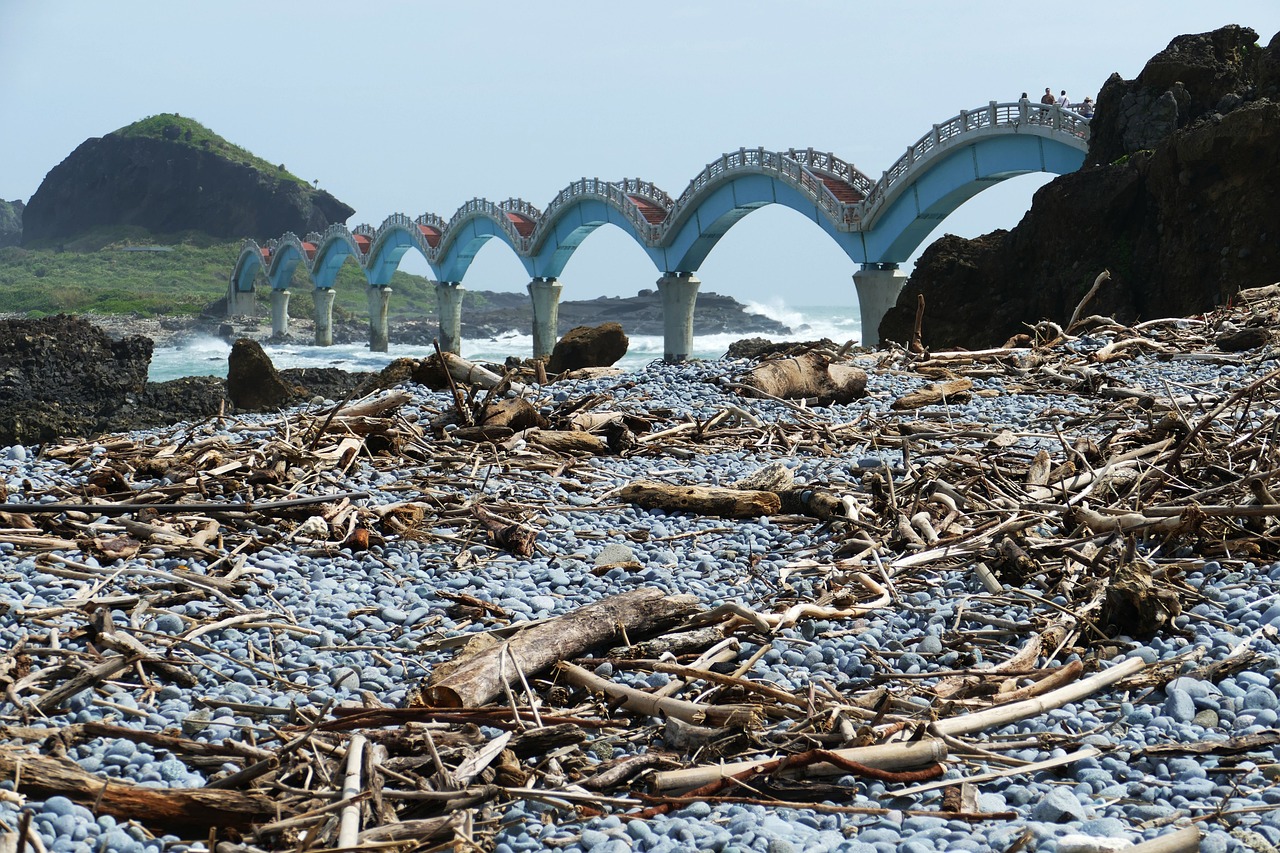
[[207, 356]]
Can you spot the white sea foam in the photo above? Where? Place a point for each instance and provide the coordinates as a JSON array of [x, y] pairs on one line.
[[207, 356]]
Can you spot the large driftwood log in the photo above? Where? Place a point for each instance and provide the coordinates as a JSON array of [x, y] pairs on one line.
[[462, 370], [811, 374], [701, 500], [886, 756], [480, 678], [181, 809]]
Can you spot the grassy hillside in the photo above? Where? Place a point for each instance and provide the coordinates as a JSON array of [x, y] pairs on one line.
[[186, 131], [117, 272]]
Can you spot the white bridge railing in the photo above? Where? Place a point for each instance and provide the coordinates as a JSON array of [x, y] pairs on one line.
[[1016, 114]]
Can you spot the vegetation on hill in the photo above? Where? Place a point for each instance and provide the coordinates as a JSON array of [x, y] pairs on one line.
[[122, 271], [186, 131]]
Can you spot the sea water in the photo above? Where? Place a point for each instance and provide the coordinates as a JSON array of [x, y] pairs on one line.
[[207, 356]]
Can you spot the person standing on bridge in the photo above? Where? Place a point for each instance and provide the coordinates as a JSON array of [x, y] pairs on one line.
[[1086, 107], [1047, 97], [1063, 101]]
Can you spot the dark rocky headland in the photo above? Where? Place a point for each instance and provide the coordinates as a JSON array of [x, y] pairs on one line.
[[168, 174]]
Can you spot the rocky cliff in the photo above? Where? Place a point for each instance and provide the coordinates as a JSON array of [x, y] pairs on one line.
[[1179, 198], [169, 174], [10, 223]]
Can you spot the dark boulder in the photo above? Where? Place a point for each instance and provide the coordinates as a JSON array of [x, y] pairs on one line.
[[328, 382], [1181, 226], [588, 346], [253, 384], [64, 376]]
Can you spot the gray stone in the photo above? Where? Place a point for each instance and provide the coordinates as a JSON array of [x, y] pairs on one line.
[[1059, 806], [615, 553], [1179, 705]]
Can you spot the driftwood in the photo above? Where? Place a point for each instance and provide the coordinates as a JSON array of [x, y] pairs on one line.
[[739, 716], [566, 441], [182, 809], [811, 375], [951, 391], [889, 756], [480, 678], [703, 500], [1103, 278]]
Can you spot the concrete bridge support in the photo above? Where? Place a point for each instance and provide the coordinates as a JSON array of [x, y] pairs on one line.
[[679, 292], [878, 288], [449, 310], [241, 303], [379, 335], [324, 315], [545, 293], [279, 313]]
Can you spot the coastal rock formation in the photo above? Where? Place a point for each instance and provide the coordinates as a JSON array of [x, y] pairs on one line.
[[10, 223], [588, 346], [64, 376], [168, 175], [1178, 199]]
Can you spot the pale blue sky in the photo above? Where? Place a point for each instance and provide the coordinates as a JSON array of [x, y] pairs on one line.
[[413, 107]]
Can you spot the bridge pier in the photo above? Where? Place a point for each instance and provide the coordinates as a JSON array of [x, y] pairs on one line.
[[241, 303], [323, 297], [878, 288], [545, 293], [379, 336], [679, 292], [449, 310], [279, 313]]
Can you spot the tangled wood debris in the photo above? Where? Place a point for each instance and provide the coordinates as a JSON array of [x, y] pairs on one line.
[[1088, 519]]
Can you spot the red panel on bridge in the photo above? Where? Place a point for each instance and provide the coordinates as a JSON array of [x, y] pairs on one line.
[[310, 250], [362, 243], [266, 252], [653, 214], [524, 227], [841, 190], [431, 234]]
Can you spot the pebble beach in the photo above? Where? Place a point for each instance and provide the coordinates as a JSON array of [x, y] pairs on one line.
[[335, 625]]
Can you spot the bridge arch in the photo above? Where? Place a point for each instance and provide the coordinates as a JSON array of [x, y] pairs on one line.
[[286, 254], [473, 225], [396, 235], [333, 247], [249, 263], [959, 159], [739, 182], [636, 207]]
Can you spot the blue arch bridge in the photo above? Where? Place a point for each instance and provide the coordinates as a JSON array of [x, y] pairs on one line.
[[878, 223]]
